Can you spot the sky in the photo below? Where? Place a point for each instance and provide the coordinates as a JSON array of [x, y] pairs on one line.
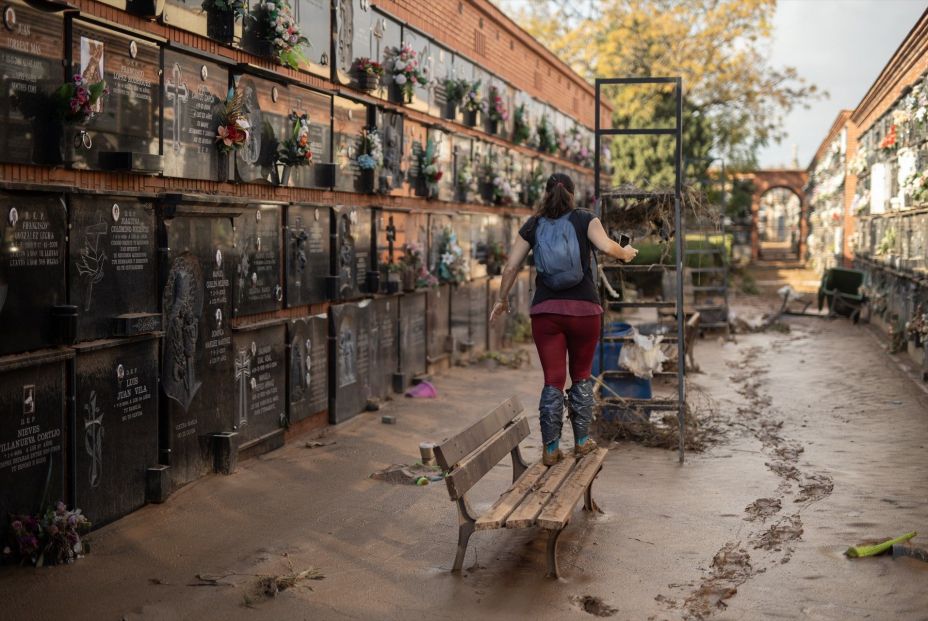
[[840, 45]]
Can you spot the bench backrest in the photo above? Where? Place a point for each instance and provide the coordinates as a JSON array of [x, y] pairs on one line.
[[469, 455]]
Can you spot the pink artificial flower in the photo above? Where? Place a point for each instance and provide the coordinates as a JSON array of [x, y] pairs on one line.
[[224, 135]]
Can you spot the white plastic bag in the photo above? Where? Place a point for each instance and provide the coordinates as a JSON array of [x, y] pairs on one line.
[[643, 357]]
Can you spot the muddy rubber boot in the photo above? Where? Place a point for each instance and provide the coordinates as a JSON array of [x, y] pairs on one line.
[[580, 403], [551, 417]]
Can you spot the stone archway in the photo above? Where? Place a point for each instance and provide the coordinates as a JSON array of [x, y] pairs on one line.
[[766, 180]]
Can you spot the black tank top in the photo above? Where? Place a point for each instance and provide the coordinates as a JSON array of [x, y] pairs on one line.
[[584, 290]]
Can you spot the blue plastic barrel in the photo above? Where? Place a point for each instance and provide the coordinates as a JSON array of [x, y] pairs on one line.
[[610, 349]]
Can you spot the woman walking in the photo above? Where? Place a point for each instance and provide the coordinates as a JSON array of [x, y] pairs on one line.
[[565, 309]]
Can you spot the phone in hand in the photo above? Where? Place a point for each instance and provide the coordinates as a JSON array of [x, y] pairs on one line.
[[624, 240]]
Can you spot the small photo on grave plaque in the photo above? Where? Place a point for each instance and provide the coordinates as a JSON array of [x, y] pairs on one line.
[[266, 108], [33, 252], [258, 278], [308, 372], [33, 394], [351, 254], [306, 244], [125, 133], [318, 107], [194, 94], [117, 426], [197, 359], [349, 359], [30, 73], [260, 382], [350, 118], [113, 266]]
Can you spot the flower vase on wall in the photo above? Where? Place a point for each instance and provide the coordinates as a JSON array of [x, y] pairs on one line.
[[470, 118], [220, 25], [368, 82], [422, 187], [450, 111], [366, 180]]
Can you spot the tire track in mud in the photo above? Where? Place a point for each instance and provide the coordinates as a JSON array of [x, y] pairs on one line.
[[772, 544]]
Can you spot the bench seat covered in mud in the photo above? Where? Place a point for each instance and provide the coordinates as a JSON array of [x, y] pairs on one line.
[[539, 495]]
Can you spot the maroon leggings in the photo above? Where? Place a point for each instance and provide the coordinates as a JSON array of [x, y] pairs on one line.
[[558, 337]]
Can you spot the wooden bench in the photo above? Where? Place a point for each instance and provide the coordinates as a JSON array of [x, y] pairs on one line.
[[539, 496]]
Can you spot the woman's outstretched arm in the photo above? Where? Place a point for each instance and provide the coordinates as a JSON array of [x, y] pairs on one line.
[[598, 236], [516, 256]]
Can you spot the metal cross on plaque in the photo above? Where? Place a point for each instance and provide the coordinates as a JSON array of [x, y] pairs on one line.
[[242, 375], [177, 95]]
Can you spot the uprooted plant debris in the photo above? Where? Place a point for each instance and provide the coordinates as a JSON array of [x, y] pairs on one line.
[[594, 606], [643, 209], [514, 360], [269, 586], [402, 474]]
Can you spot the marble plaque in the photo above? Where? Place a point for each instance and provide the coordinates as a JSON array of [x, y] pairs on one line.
[[393, 164], [315, 20], [351, 254], [438, 302], [354, 36], [267, 108], [113, 275], [117, 425], [125, 134], [412, 339], [440, 69], [350, 117], [319, 108], [33, 238], [349, 359], [194, 94], [422, 46], [306, 244], [258, 276], [259, 382], [308, 368], [384, 323], [189, 15]]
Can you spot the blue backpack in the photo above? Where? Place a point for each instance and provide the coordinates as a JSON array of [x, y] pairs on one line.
[[557, 253]]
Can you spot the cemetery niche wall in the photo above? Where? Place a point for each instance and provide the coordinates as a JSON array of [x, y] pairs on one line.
[[197, 359], [349, 359], [307, 378], [267, 109], [258, 279], [259, 383], [306, 244], [354, 270]]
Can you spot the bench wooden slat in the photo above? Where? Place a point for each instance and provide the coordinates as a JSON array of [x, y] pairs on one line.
[[511, 498], [557, 512], [466, 474], [526, 513], [451, 450]]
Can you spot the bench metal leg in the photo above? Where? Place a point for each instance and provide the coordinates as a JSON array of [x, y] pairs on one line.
[[466, 521], [588, 503], [553, 571]]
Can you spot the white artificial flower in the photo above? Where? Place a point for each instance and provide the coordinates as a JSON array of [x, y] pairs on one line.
[[399, 78]]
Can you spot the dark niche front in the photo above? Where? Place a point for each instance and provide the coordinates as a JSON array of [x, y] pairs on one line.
[[318, 107], [384, 317], [125, 134], [116, 427], [194, 94], [259, 382], [353, 269], [412, 335], [258, 281], [308, 372], [266, 107], [113, 269], [349, 118], [33, 234], [30, 73], [438, 301], [197, 356], [469, 316], [392, 136], [306, 244], [33, 394], [349, 359]]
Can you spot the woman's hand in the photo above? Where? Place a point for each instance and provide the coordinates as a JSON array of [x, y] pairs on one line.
[[501, 307], [627, 253]]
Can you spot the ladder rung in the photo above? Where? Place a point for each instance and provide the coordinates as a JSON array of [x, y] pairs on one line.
[[620, 305], [668, 338], [653, 404]]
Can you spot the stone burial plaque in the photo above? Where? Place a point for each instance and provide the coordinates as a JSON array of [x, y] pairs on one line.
[[391, 129], [30, 72], [267, 108], [315, 20], [383, 323], [522, 292], [349, 359], [354, 37], [189, 15], [117, 425], [259, 379], [496, 333], [306, 244], [438, 302], [438, 223], [113, 275], [386, 32], [464, 169], [412, 342], [308, 368], [461, 69], [33, 397], [318, 106], [352, 265], [442, 142], [440, 69], [125, 135], [479, 311], [194, 94], [33, 238], [479, 238], [197, 356], [415, 136], [258, 278], [460, 318], [350, 117]]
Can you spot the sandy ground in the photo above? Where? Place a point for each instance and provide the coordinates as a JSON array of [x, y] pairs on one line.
[[823, 446]]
